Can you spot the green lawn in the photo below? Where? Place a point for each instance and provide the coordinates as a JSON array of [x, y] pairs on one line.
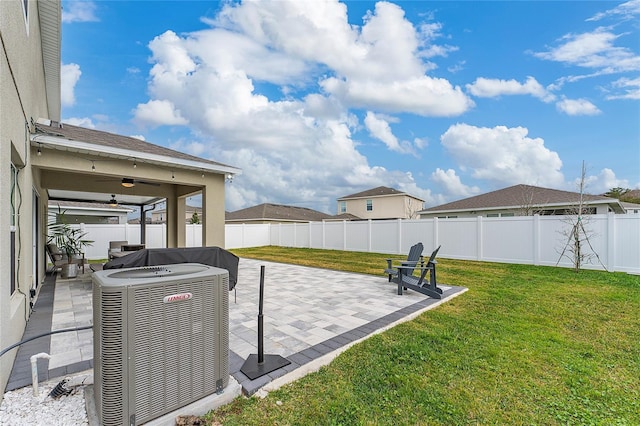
[[525, 345]]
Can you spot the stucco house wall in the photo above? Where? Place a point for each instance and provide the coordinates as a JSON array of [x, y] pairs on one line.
[[22, 89], [398, 206]]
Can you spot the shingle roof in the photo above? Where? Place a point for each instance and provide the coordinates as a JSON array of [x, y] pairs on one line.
[[112, 140], [516, 196], [268, 211], [376, 192], [346, 216], [628, 205]]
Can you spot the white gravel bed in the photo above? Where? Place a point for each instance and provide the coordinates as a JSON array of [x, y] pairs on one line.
[[19, 407]]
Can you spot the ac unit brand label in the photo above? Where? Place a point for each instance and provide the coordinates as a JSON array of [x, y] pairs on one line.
[[177, 297]]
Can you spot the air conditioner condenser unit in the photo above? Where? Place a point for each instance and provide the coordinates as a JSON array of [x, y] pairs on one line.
[[161, 339]]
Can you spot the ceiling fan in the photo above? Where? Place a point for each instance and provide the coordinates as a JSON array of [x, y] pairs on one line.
[[131, 182]]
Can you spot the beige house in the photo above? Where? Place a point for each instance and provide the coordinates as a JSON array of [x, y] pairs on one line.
[[381, 203], [160, 215], [523, 200], [45, 160]]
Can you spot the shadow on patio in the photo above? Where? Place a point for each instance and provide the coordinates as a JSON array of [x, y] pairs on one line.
[[310, 316]]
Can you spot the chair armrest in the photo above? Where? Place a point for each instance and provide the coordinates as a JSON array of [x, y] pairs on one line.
[[419, 267]]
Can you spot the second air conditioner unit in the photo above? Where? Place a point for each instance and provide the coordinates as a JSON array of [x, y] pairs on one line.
[[161, 339]]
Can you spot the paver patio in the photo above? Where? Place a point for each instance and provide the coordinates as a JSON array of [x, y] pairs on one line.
[[308, 313]]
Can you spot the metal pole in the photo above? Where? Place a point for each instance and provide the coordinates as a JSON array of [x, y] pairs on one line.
[[257, 365], [260, 319]]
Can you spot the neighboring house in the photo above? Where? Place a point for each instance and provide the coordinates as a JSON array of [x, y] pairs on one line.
[[160, 215], [523, 200], [275, 213], [631, 208], [630, 200], [88, 213], [44, 161], [381, 203]]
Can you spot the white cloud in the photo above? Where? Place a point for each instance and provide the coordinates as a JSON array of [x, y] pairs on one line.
[[379, 128], [593, 50], [79, 11], [236, 85], [69, 76], [503, 155], [451, 184], [317, 35], [491, 88], [627, 10], [158, 113], [422, 95], [577, 107], [191, 147], [80, 121], [428, 33], [601, 183], [631, 89], [141, 137]]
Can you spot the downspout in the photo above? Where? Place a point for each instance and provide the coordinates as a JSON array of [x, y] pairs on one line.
[[143, 222]]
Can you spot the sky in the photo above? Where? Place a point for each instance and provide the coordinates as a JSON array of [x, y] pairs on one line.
[[316, 100]]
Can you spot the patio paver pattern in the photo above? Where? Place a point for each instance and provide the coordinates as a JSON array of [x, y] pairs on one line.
[[308, 312]]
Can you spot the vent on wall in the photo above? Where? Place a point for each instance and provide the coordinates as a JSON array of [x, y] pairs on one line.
[[161, 339]]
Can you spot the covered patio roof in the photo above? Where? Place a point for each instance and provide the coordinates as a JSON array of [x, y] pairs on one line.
[[80, 164]]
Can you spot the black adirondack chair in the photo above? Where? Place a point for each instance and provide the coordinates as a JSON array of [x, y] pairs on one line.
[[422, 284], [413, 258]]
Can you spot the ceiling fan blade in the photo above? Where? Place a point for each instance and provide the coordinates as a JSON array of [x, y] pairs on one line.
[[144, 182]]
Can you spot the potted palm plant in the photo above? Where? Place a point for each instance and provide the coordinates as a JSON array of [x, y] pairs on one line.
[[71, 242]]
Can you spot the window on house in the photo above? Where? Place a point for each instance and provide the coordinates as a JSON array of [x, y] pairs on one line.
[[493, 215], [369, 205], [343, 207]]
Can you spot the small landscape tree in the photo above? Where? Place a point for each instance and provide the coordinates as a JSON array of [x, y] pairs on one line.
[[578, 248]]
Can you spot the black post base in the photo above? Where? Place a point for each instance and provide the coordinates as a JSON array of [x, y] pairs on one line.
[[253, 369]]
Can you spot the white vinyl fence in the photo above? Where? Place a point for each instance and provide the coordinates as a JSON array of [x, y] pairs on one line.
[[535, 240]]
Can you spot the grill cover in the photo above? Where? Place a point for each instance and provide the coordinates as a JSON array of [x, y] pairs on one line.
[[212, 256]]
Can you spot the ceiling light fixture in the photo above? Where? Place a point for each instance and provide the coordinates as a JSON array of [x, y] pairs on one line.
[[128, 183], [93, 166], [113, 202], [39, 153], [135, 164]]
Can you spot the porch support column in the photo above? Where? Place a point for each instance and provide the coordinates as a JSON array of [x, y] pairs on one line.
[[181, 222], [213, 211], [172, 222]]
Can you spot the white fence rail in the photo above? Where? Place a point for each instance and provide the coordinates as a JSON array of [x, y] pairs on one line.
[[535, 240]]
